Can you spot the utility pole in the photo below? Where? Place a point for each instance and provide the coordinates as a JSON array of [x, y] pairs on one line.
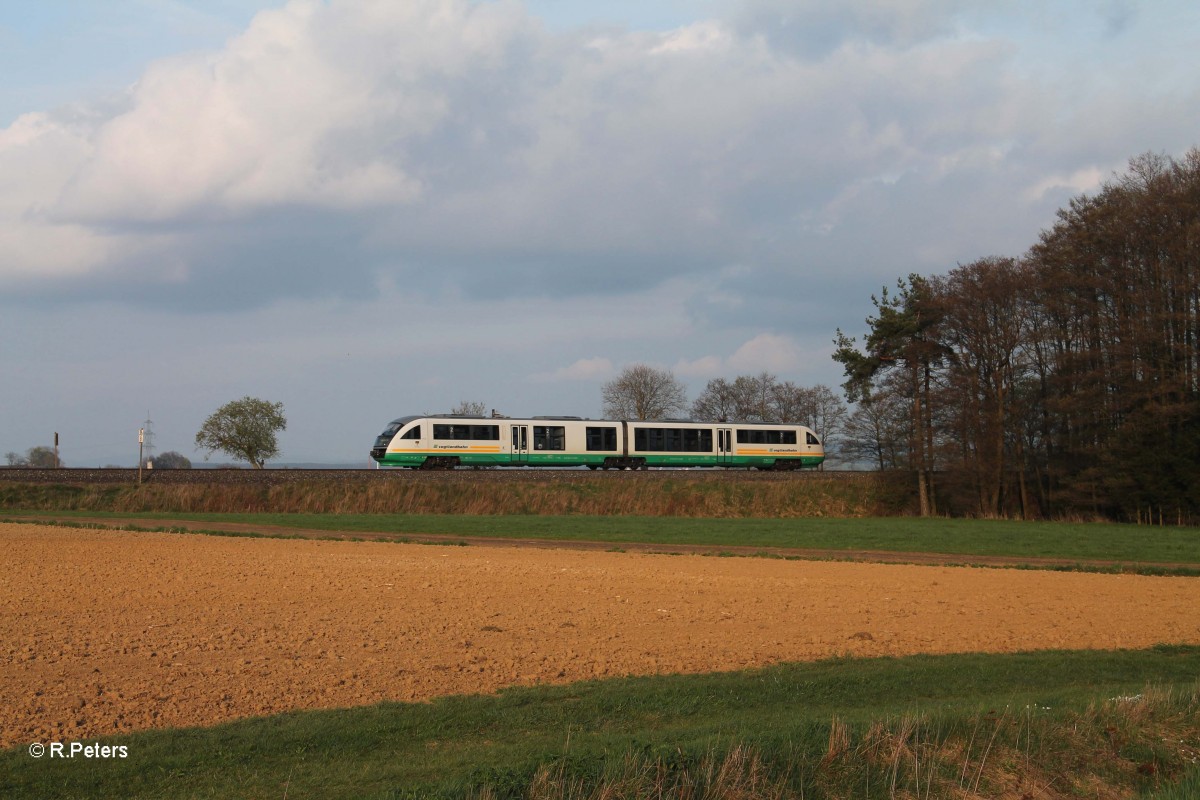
[[57, 463], [141, 439]]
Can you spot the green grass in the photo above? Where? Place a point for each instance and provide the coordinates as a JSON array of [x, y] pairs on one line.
[[1188, 788], [1130, 544], [453, 746]]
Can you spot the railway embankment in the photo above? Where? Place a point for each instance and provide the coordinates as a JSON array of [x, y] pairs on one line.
[[688, 493]]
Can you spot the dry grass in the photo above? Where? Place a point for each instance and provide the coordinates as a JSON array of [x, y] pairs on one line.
[[1111, 751], [812, 496]]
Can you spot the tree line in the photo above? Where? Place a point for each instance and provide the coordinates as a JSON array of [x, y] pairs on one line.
[[644, 392], [1064, 382]]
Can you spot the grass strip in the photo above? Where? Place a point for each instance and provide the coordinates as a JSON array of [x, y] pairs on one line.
[[828, 728], [1129, 544]]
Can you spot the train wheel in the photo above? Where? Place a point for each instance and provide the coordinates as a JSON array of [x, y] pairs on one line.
[[440, 463]]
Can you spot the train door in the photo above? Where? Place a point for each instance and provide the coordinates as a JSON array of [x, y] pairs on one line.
[[520, 445], [724, 446]]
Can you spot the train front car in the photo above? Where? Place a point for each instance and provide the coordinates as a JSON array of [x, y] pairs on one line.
[[379, 451], [440, 441], [778, 447]]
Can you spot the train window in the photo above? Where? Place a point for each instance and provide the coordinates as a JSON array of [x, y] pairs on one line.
[[648, 439], [810, 438], [489, 433], [413, 433], [697, 440], [549, 437], [673, 440], [391, 429], [765, 437], [601, 438], [452, 431]]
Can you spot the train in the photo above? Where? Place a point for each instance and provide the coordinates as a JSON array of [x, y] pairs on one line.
[[446, 441]]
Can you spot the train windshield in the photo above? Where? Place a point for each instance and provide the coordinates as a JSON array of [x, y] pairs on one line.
[[391, 429]]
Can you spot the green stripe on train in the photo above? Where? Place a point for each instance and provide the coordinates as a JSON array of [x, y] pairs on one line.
[[585, 459]]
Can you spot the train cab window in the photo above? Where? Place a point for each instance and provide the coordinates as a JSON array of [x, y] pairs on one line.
[[810, 438], [391, 429], [412, 433], [549, 437], [601, 438]]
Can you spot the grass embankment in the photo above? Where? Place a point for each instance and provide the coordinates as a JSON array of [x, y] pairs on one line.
[[704, 495], [811, 512], [1046, 725], [1128, 545]]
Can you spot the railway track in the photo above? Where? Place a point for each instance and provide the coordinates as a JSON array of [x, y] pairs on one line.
[[271, 477]]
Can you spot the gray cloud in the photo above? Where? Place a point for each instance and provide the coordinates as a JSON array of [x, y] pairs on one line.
[[812, 29], [371, 209], [465, 143]]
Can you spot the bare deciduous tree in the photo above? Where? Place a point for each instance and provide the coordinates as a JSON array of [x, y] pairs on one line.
[[717, 403], [643, 392], [470, 408], [762, 398]]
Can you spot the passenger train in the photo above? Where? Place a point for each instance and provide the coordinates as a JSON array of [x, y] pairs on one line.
[[446, 441]]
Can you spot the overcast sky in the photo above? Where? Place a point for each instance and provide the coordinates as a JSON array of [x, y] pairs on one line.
[[375, 208]]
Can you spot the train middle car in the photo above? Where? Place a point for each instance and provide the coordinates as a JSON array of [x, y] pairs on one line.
[[446, 441]]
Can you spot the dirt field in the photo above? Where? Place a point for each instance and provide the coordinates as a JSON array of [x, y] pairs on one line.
[[104, 631]]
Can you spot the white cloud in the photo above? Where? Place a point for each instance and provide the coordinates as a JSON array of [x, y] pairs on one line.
[[703, 367], [1078, 182], [585, 369], [703, 36], [767, 351], [770, 352], [254, 125], [35, 251]]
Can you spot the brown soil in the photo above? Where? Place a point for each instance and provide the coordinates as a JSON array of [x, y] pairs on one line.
[[109, 631]]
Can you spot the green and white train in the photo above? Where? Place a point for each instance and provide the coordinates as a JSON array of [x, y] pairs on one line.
[[446, 441]]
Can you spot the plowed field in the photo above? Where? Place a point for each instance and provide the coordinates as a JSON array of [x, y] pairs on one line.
[[108, 631]]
